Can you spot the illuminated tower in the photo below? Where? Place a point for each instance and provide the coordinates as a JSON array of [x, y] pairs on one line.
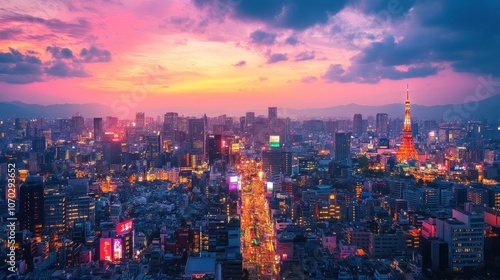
[[407, 148]]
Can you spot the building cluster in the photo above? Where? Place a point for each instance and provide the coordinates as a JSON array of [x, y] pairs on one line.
[[160, 197]]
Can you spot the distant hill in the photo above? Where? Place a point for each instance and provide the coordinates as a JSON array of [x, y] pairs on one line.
[[488, 108], [21, 109]]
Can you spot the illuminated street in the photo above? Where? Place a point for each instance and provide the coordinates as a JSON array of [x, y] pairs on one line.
[[257, 229]]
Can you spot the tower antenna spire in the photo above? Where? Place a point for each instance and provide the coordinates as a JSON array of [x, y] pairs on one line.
[[407, 92]]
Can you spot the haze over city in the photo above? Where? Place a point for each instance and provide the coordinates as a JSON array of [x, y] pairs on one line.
[[246, 54]]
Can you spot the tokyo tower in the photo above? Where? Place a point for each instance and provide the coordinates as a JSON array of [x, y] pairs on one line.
[[407, 148]]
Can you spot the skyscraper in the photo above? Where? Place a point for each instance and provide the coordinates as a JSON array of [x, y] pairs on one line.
[[172, 119], [77, 124], [272, 113], [243, 124], [153, 147], [407, 149], [342, 146], [55, 211], [357, 125], [197, 135], [465, 238], [214, 147], [82, 207], [277, 161], [98, 129], [250, 118], [382, 123], [32, 204], [140, 120]]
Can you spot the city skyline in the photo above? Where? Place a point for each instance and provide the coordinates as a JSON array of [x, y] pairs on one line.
[[246, 54]]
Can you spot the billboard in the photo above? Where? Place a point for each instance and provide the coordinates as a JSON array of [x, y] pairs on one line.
[[117, 249], [235, 147], [106, 250], [124, 227], [274, 140], [269, 186], [232, 182]]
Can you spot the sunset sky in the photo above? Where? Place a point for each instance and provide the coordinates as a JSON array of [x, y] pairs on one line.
[[241, 55]]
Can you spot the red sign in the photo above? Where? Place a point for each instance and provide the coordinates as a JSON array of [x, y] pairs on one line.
[[124, 227], [106, 249]]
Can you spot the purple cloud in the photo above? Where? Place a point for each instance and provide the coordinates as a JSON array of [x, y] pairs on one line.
[[277, 57]]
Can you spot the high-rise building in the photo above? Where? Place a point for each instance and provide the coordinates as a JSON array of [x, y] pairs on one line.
[[357, 125], [140, 120], [272, 113], [250, 119], [342, 146], [382, 124], [214, 147], [38, 144], [55, 211], [98, 129], [82, 207], [243, 124], [112, 152], [77, 124], [277, 162], [170, 124], [407, 148], [197, 135], [153, 147], [20, 126], [465, 238], [31, 208]]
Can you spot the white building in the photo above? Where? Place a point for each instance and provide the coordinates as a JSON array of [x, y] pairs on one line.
[[464, 235]]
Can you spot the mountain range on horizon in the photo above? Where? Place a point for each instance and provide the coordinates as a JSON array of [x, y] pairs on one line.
[[483, 109]]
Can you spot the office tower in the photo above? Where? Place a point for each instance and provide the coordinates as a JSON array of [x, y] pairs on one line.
[[494, 197], [215, 234], [98, 129], [382, 124], [153, 147], [272, 113], [250, 119], [170, 124], [38, 144], [242, 124], [140, 120], [357, 125], [465, 238], [407, 149], [31, 207], [55, 211], [342, 146], [77, 124], [82, 207], [79, 231], [214, 148], [414, 129], [112, 152], [197, 135], [20, 127], [277, 162]]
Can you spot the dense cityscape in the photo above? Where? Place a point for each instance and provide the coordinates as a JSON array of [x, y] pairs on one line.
[[250, 197], [249, 139]]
